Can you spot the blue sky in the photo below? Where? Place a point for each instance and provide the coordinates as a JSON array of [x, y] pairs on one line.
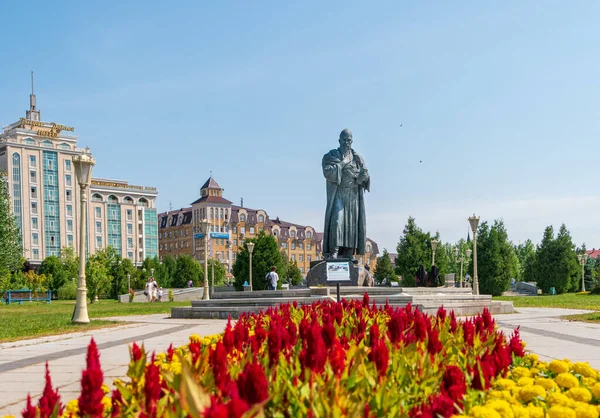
[[499, 100]]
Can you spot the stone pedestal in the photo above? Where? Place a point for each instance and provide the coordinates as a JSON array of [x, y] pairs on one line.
[[333, 271]]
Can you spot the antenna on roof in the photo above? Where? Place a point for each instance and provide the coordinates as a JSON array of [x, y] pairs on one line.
[[170, 205], [210, 173], [242, 202]]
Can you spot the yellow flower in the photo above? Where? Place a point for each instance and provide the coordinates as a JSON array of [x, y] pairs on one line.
[[535, 411], [596, 390], [589, 381], [558, 366], [502, 407], [176, 368], [561, 412], [586, 411], [504, 383], [525, 381], [519, 411], [557, 398], [195, 338], [580, 394], [107, 404], [566, 380], [483, 412], [547, 384], [584, 369], [532, 358], [530, 392], [71, 408], [160, 358], [105, 388], [518, 372]]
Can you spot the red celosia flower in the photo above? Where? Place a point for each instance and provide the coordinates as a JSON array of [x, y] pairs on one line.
[[453, 322], [170, 353], [116, 403], [374, 334], [434, 345], [396, 326], [337, 358], [196, 350], [328, 332], [50, 398], [488, 321], [30, 411], [420, 326], [136, 352], [252, 384], [237, 407], [275, 342], [367, 413], [441, 315], [314, 353], [381, 357], [229, 336], [454, 383], [218, 363], [516, 346], [366, 301], [90, 400], [216, 409], [468, 332], [152, 387]]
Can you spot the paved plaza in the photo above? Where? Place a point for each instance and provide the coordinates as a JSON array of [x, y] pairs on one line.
[[22, 363]]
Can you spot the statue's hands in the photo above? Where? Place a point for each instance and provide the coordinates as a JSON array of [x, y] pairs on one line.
[[363, 176]]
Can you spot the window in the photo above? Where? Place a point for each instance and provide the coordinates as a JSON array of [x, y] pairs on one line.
[[242, 230], [252, 230], [187, 244], [293, 257], [129, 214], [128, 200], [308, 258], [293, 245], [275, 233], [98, 227], [69, 240], [300, 258], [67, 165], [308, 246], [64, 146], [34, 192], [69, 210], [69, 195], [33, 208], [187, 230], [308, 234], [129, 229], [35, 239], [235, 229], [47, 144], [175, 234], [51, 210], [96, 198], [293, 234], [130, 255], [113, 199], [98, 213], [284, 245], [70, 225], [221, 214], [129, 242], [242, 218], [235, 242], [32, 177], [300, 245], [68, 180], [32, 163], [261, 218], [368, 248], [98, 242], [115, 228], [36, 254], [302, 270]]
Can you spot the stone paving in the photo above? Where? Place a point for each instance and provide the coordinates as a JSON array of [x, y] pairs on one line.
[[22, 363]]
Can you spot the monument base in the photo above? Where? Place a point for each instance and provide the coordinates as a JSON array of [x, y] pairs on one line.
[[332, 271]]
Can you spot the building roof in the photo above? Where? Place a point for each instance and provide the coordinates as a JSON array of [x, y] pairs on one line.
[[211, 184], [593, 253], [181, 216], [212, 199], [374, 246]]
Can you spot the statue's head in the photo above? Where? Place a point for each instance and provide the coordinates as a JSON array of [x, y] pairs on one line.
[[346, 139]]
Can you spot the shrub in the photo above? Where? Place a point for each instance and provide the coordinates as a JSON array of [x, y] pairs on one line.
[[171, 295], [67, 291]]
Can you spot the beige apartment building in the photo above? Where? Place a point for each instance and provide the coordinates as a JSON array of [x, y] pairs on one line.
[[37, 159], [230, 225]]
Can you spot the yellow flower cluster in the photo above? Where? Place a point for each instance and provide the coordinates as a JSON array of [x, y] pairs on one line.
[[535, 389]]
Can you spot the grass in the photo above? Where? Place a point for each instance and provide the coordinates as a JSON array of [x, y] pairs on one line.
[[593, 317], [40, 319], [566, 301]]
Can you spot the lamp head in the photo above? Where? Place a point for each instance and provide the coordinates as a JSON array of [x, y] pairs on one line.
[[469, 253], [250, 247]]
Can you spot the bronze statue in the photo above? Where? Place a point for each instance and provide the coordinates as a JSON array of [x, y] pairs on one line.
[[345, 231]]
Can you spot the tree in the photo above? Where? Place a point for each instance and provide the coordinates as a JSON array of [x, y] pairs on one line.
[[526, 255], [96, 275], [266, 254], [293, 274], [188, 269], [11, 247], [52, 267], [384, 271], [219, 272], [497, 261], [567, 266], [414, 249], [556, 264], [36, 282]]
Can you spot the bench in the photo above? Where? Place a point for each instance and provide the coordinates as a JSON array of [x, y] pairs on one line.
[[25, 295]]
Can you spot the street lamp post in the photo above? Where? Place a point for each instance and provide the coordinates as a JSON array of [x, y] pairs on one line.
[[128, 282], [462, 259], [205, 225], [434, 244], [83, 164], [474, 221], [582, 258], [250, 250]]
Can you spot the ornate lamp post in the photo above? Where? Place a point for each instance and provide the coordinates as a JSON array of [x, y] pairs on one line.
[[434, 244], [83, 164], [462, 259], [250, 250], [582, 258], [205, 226], [474, 221]]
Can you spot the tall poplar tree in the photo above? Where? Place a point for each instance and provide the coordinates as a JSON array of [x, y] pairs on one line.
[[11, 247]]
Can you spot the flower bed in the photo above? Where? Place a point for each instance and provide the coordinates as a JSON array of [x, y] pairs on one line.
[[338, 359]]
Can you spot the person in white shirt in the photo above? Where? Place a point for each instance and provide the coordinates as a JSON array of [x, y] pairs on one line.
[[272, 279]]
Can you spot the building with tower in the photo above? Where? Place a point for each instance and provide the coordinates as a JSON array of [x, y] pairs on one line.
[[230, 225], [37, 159]]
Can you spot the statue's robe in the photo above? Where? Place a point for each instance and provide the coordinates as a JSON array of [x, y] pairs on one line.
[[345, 219]]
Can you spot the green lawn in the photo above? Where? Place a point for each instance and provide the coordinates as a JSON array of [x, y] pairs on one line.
[[40, 319], [567, 300]]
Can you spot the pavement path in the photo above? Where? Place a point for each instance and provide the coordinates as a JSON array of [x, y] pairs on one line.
[[22, 363]]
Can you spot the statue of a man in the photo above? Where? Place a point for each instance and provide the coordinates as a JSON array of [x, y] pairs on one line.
[[345, 231]]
